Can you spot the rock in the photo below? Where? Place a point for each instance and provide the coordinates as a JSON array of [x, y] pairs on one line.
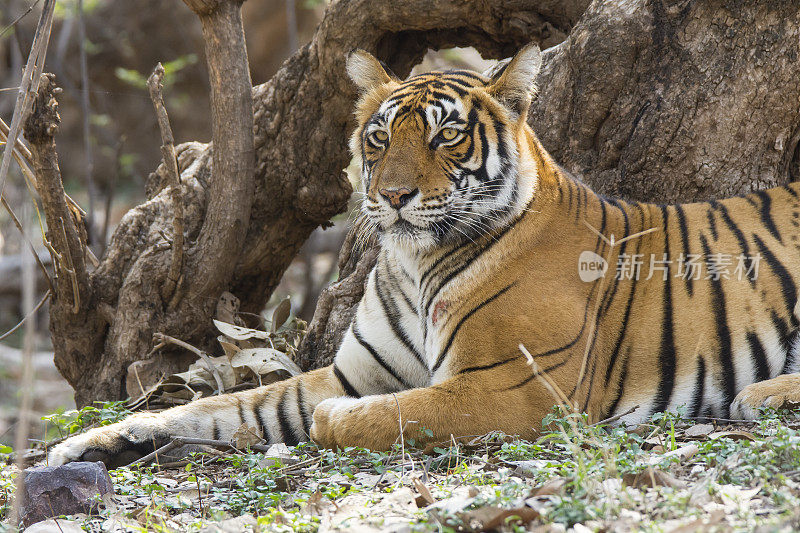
[[63, 490]]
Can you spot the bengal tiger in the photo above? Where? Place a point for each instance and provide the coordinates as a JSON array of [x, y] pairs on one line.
[[494, 295]]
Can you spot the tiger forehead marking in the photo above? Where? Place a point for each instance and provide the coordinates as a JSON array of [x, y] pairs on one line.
[[439, 160]]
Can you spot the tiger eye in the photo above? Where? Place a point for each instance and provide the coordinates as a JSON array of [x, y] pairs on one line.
[[380, 136], [448, 134]]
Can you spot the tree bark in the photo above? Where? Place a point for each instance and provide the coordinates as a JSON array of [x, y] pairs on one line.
[[660, 101], [302, 118]]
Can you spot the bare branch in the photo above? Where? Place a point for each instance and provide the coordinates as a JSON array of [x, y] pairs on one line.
[[231, 191], [64, 236], [154, 85]]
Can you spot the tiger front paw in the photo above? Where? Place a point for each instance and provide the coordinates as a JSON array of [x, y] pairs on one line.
[[329, 421], [777, 393], [114, 445]]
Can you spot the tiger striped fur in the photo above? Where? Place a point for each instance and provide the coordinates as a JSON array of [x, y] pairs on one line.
[[482, 234]]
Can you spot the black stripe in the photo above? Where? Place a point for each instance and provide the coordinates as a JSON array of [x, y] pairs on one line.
[[466, 264], [629, 305], [791, 191], [620, 385], [304, 416], [214, 429], [759, 356], [367, 346], [611, 291], [349, 390], [487, 367], [460, 323], [766, 215], [712, 223], [392, 316], [283, 420], [723, 334], [262, 425], [787, 283], [397, 287], [242, 419], [737, 233], [685, 243], [666, 350], [699, 388]]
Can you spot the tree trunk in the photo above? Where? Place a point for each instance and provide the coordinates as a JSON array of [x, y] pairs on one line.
[[302, 121], [661, 101]]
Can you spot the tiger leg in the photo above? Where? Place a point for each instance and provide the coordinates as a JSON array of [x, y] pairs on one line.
[[779, 392], [461, 406], [280, 411]]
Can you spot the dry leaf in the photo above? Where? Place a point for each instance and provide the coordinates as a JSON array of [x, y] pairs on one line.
[[315, 504], [246, 436], [277, 453], [229, 348], [651, 478], [281, 314], [733, 435], [239, 333], [425, 497], [228, 308], [271, 365], [699, 430], [492, 518], [550, 487], [683, 453]]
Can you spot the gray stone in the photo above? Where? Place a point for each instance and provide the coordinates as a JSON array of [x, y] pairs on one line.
[[63, 490]]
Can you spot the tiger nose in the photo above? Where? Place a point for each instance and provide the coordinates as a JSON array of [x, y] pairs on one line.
[[397, 198]]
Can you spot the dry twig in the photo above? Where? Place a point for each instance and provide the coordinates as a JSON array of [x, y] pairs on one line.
[[154, 85], [161, 338]]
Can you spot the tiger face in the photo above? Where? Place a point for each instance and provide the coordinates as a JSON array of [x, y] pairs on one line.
[[439, 155]]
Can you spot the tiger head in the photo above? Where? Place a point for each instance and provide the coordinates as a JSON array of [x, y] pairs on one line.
[[440, 153]]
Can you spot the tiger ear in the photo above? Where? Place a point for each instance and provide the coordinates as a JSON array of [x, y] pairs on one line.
[[366, 71], [512, 80]]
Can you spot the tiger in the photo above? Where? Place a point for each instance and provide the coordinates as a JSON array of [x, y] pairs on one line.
[[501, 290]]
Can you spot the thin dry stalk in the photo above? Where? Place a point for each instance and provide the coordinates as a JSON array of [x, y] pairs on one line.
[[85, 111], [26, 385], [29, 85], [20, 17], [154, 84], [162, 338], [27, 316], [30, 245]]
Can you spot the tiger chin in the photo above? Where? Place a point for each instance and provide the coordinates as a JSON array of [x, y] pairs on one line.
[[485, 241]]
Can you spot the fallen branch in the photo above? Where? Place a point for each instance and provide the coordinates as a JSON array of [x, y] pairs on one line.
[[161, 338], [177, 442], [615, 417]]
